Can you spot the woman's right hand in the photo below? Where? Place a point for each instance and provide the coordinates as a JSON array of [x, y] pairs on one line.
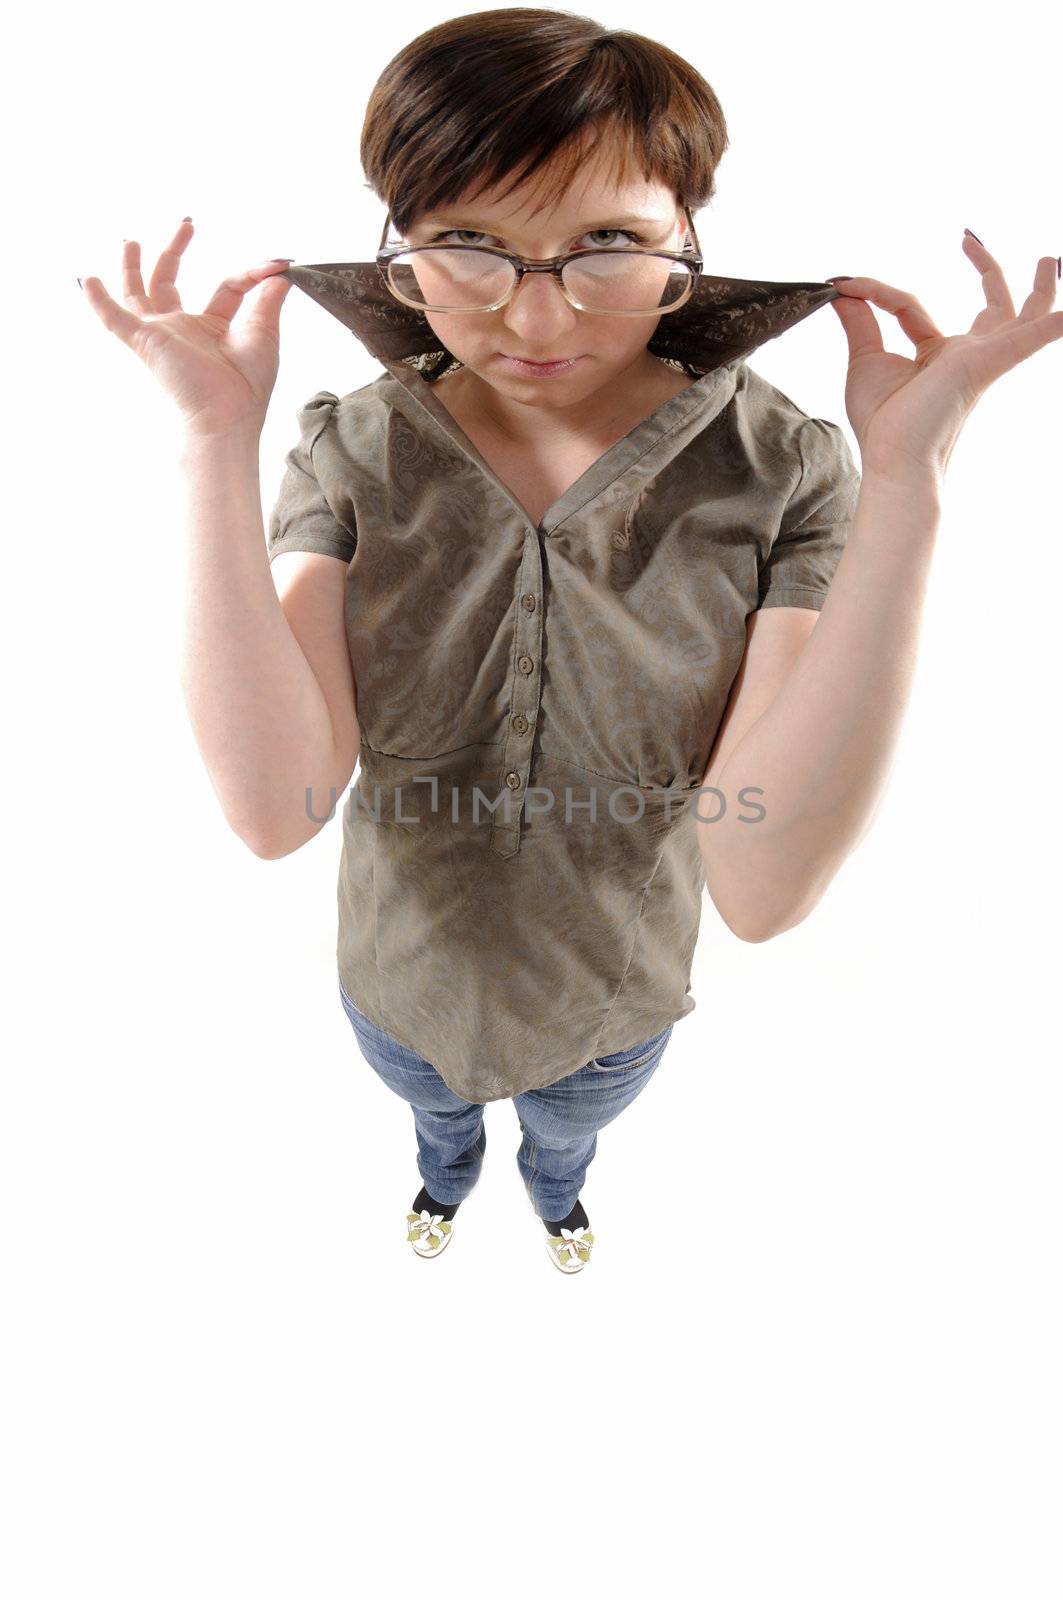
[[220, 378]]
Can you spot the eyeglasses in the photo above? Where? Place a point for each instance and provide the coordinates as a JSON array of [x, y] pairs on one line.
[[626, 282]]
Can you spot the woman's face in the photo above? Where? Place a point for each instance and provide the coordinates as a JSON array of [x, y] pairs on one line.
[[539, 324]]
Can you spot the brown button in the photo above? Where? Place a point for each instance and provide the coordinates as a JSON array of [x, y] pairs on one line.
[[513, 780], [525, 663], [520, 723], [528, 602]]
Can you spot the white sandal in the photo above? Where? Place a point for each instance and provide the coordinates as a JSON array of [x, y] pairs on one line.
[[428, 1234], [571, 1249]]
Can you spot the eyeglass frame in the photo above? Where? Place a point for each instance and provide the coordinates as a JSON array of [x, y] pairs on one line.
[[690, 255]]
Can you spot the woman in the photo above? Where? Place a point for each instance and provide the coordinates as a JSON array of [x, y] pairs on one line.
[[567, 563]]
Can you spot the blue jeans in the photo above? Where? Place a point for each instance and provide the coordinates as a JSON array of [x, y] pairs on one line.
[[560, 1123]]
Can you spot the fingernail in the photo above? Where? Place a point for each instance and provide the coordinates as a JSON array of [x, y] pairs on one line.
[[1059, 266], [283, 260], [843, 277], [186, 219], [80, 284], [973, 236]]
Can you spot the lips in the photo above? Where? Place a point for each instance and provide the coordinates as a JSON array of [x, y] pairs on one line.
[[523, 368]]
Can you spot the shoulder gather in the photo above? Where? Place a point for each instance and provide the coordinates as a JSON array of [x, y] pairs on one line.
[[313, 416], [784, 427], [323, 400], [770, 401], [361, 403]]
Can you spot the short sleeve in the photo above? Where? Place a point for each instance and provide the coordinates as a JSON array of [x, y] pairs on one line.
[[302, 518], [816, 522]]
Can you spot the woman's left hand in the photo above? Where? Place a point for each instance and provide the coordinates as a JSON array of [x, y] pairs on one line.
[[907, 414]]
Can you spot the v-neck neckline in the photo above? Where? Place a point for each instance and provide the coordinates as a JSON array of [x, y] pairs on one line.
[[713, 388]]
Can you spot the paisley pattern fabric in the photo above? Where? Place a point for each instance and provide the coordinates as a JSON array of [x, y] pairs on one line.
[[520, 882]]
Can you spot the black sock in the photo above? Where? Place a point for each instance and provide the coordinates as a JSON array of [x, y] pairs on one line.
[[577, 1218], [435, 1208]]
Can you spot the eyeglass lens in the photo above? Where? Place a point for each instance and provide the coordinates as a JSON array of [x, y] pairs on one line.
[[469, 280]]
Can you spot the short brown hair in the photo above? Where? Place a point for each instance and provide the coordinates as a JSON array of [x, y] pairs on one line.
[[496, 93]]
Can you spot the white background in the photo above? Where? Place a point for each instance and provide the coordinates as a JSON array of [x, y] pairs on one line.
[[817, 1350]]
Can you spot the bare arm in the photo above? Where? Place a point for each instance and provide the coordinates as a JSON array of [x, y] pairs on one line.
[[270, 699], [817, 719], [260, 715]]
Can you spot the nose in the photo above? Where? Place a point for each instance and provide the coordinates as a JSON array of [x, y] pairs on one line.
[[538, 309]]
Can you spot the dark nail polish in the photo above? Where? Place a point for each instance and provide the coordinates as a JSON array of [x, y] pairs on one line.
[[80, 285], [974, 236], [843, 277], [1059, 266], [282, 260]]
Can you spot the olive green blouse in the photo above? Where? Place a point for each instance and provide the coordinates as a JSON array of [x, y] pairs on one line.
[[520, 884]]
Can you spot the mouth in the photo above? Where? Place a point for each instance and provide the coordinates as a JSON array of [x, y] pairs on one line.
[[525, 364]]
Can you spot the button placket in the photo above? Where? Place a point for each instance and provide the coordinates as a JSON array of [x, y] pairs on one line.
[[524, 686]]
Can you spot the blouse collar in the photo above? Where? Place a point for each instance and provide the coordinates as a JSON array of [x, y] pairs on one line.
[[724, 320]]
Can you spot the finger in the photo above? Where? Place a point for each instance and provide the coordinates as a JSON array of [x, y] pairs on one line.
[[112, 315], [228, 296], [915, 321], [1043, 292], [163, 291], [1018, 340], [860, 324], [264, 315], [997, 294], [132, 283]]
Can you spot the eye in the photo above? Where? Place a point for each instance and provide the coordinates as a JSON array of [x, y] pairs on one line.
[[437, 238], [632, 238], [474, 236]]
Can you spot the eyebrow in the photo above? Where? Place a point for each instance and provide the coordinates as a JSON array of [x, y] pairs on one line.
[[437, 219]]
